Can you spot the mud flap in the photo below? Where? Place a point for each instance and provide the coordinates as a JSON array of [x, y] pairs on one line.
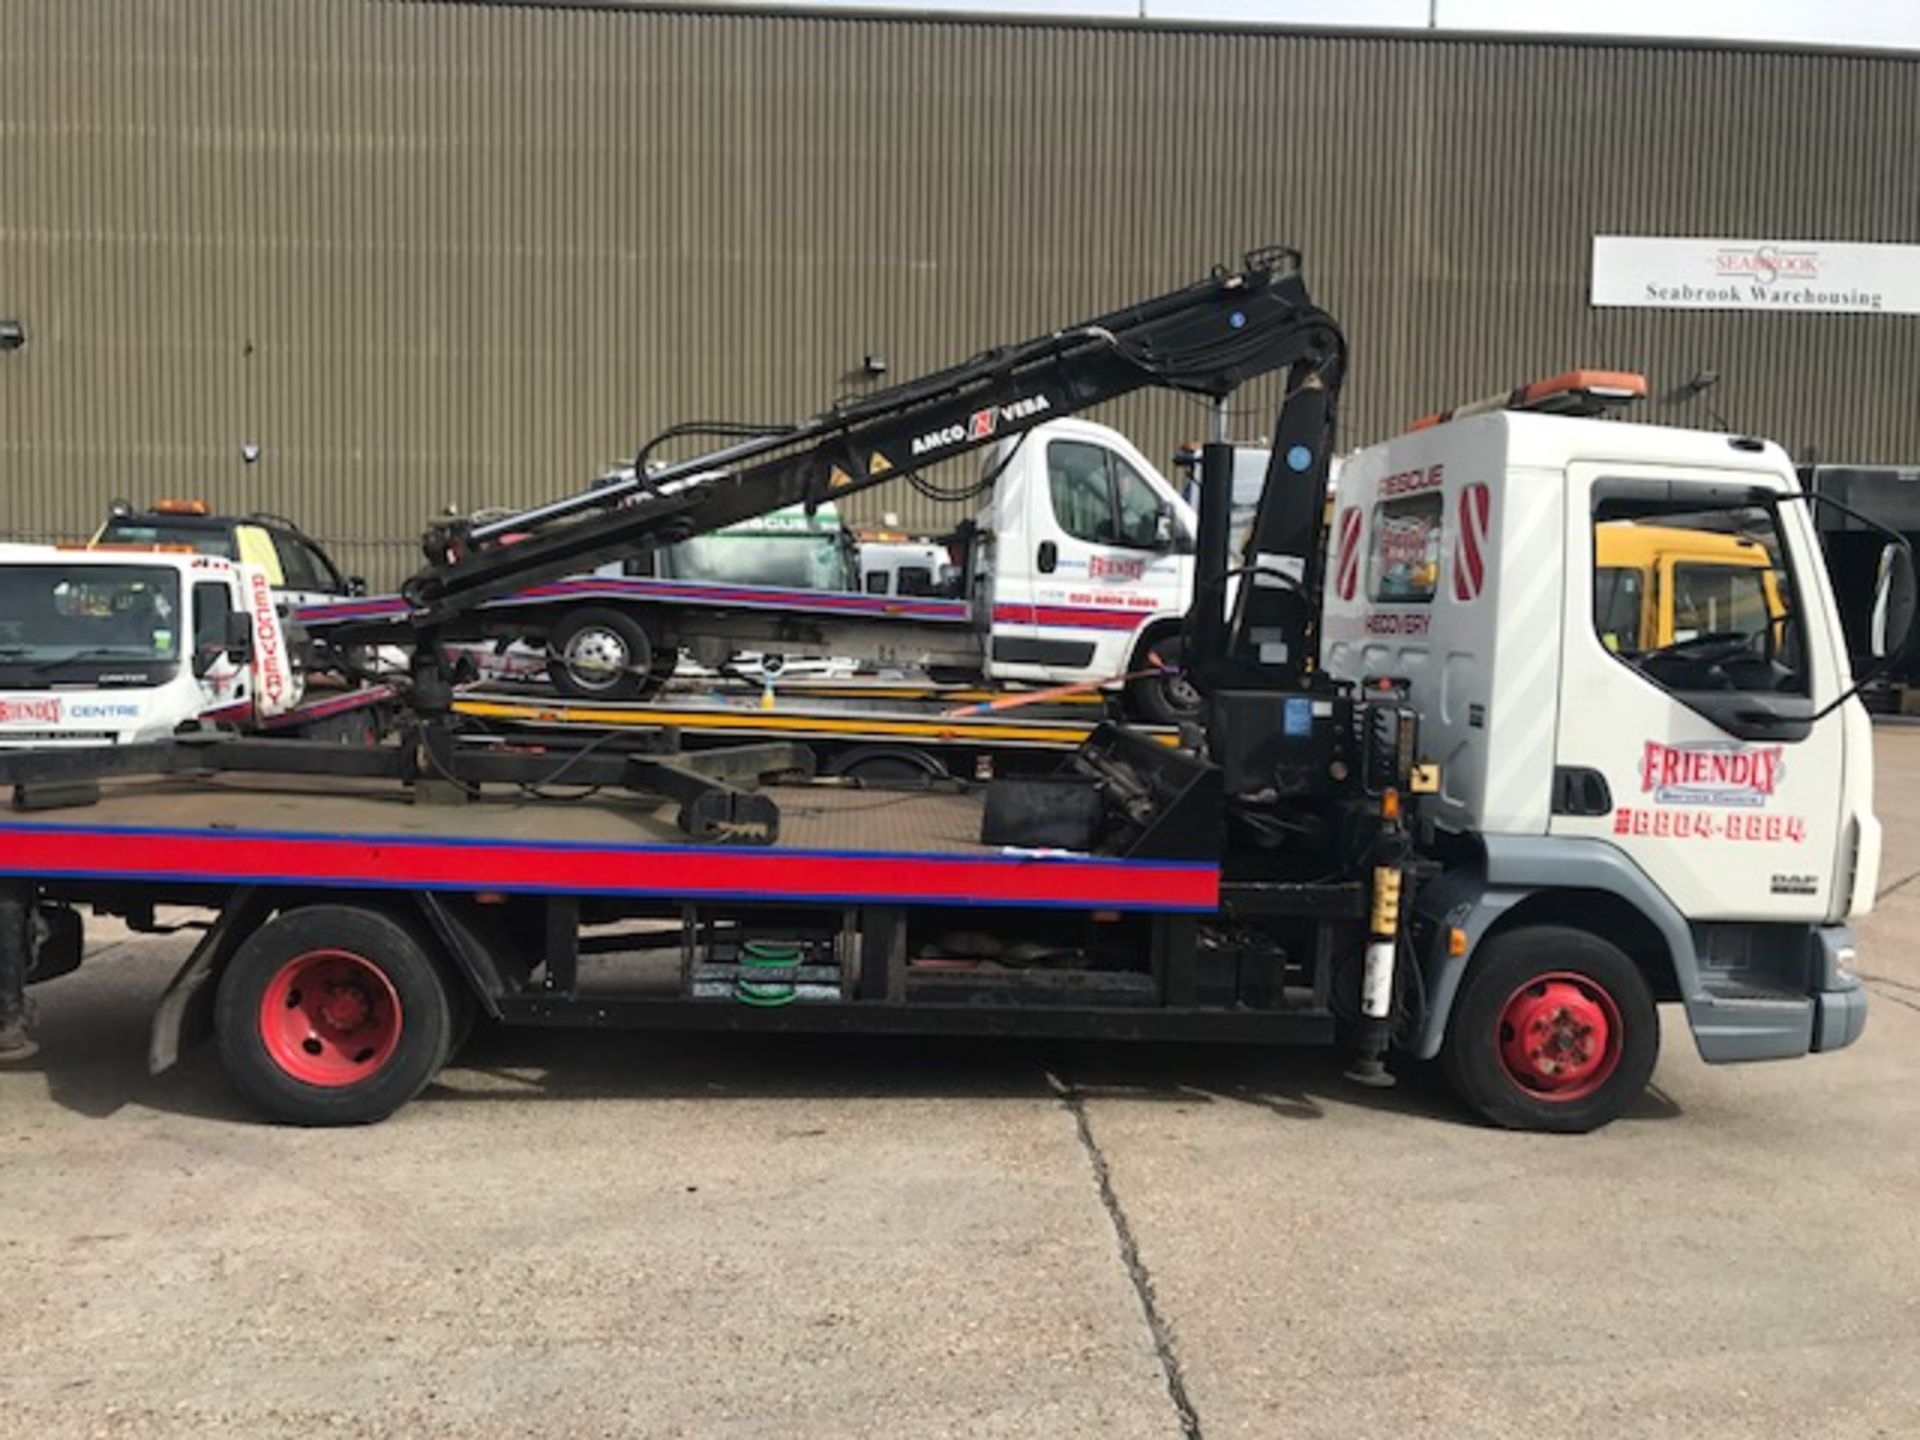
[[16, 911], [184, 1016]]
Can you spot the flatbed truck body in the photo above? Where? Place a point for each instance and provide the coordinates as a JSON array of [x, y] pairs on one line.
[[884, 890]]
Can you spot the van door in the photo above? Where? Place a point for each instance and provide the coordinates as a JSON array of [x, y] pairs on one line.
[[1103, 562], [1729, 826]]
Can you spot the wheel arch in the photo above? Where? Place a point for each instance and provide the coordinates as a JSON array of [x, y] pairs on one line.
[[1156, 629], [183, 1018], [1585, 884]]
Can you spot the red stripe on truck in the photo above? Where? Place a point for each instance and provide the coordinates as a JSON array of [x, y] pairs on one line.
[[403, 862]]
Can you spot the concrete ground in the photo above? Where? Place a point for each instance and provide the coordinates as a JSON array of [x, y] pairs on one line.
[[641, 1236]]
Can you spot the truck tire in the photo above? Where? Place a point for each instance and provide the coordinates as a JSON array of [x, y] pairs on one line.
[[600, 654], [359, 728], [1164, 698], [1553, 1029], [333, 1015]]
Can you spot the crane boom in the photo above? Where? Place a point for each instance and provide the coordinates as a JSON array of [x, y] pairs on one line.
[[1206, 338]]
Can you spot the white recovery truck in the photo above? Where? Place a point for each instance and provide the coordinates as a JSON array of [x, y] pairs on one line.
[[1080, 567], [128, 646], [1435, 805], [1692, 822]]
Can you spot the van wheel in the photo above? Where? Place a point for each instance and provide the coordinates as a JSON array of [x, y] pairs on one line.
[[888, 767], [600, 654], [1166, 697], [1554, 1029], [333, 1015]]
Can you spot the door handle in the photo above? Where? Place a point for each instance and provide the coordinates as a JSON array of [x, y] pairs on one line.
[[1580, 791], [1048, 557]]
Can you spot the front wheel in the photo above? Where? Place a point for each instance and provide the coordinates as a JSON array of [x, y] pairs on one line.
[[333, 1015], [600, 654], [1554, 1029], [1164, 695]]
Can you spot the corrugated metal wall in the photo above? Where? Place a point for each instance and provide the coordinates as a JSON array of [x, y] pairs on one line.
[[429, 254]]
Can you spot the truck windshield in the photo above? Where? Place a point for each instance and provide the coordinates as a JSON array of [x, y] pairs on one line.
[[1718, 599], [56, 619], [207, 537]]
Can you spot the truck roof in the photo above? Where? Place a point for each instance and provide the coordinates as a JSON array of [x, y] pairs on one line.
[[1630, 543], [183, 558], [1553, 441]]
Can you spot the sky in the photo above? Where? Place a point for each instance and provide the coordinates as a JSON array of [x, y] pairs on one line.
[[1893, 24]]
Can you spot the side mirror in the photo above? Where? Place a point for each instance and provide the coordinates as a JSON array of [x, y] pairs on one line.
[[356, 586], [237, 640], [1893, 603], [1166, 530]]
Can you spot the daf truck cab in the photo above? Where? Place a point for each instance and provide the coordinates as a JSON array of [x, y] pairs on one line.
[[1669, 791]]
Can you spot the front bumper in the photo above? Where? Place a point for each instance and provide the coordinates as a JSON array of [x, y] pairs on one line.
[[1838, 1017]]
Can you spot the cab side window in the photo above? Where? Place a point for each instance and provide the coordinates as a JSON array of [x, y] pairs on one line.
[[1722, 617], [1101, 499], [1403, 563], [303, 567], [1136, 505], [1077, 483], [212, 603]]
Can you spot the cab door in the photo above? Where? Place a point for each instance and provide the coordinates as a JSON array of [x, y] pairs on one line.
[[223, 681], [307, 576], [1107, 554], [1659, 751]]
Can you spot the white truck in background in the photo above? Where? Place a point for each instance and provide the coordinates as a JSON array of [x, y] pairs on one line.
[[125, 646]]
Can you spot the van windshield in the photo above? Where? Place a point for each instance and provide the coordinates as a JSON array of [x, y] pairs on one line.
[[65, 622]]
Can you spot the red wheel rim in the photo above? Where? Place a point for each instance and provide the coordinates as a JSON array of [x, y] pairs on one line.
[[1559, 1036], [330, 1018]]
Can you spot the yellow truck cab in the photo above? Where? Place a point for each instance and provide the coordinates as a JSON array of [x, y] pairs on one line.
[[1657, 584]]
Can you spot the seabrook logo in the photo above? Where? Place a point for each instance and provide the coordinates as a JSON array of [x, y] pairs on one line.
[[1766, 264]]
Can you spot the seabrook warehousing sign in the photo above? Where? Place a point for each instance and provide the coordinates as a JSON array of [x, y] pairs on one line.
[[1683, 273]]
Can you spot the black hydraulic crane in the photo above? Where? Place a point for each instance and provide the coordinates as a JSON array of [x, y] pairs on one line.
[[1207, 339]]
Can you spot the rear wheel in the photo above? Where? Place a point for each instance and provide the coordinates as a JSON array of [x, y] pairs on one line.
[[600, 654], [1553, 1029], [333, 1015]]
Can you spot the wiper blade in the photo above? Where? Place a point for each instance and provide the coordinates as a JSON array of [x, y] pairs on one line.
[[96, 652]]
